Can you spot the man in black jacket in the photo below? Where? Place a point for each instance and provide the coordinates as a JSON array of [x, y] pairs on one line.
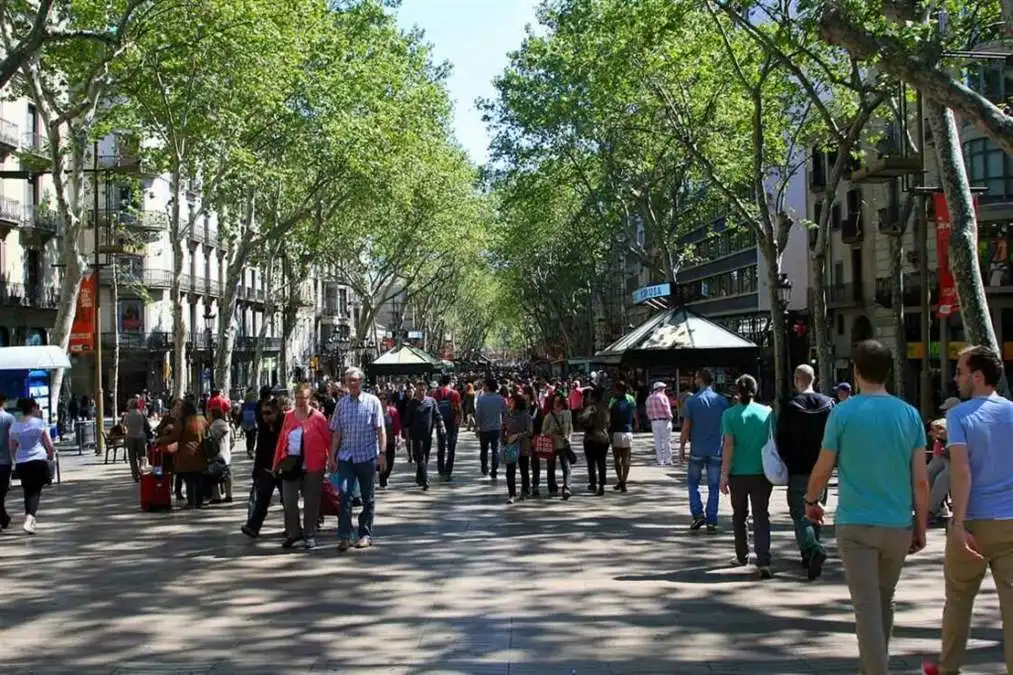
[[422, 417], [799, 437]]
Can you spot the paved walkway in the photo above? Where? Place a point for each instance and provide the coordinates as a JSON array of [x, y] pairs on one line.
[[458, 583]]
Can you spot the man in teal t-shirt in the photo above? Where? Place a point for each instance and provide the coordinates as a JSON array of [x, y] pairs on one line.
[[877, 442]]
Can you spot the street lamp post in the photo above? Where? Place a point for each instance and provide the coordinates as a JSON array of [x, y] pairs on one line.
[[100, 410], [784, 297], [337, 346], [209, 319]]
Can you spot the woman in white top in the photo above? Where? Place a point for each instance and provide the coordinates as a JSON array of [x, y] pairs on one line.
[[221, 488], [32, 449]]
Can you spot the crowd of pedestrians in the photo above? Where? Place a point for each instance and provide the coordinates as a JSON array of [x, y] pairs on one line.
[[897, 475]]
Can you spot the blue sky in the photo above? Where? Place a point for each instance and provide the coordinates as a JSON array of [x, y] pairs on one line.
[[475, 36]]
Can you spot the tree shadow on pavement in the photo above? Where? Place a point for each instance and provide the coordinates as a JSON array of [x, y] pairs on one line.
[[458, 582]]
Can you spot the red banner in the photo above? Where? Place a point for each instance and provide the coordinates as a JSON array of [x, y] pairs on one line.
[[82, 333], [949, 303]]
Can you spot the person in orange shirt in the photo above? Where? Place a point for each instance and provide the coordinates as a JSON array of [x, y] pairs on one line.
[[300, 458]]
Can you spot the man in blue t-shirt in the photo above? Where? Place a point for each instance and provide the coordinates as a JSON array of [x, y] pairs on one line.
[[980, 441], [702, 427], [877, 442]]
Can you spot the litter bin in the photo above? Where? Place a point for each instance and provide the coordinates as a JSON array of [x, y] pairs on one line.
[[84, 433]]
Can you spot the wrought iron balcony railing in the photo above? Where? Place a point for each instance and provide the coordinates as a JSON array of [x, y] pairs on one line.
[[10, 134]]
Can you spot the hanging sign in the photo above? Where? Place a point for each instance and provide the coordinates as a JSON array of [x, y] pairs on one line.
[[82, 332], [949, 302], [650, 292]]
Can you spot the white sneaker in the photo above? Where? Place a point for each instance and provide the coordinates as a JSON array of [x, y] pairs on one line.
[[364, 542], [29, 525]]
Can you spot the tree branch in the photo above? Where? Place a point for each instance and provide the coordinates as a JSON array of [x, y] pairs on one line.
[[839, 29]]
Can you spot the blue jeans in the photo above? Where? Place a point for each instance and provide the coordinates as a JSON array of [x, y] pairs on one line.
[[446, 449], [489, 445], [694, 473], [349, 474]]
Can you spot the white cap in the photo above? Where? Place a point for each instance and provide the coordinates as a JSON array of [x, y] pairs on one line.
[[951, 402], [660, 385]]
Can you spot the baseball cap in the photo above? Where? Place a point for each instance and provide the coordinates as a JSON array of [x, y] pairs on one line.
[[843, 386], [660, 385], [951, 402]]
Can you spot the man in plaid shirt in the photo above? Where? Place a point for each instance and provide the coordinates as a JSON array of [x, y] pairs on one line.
[[659, 411], [358, 445]]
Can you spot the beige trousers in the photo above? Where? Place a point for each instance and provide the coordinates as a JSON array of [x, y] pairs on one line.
[[964, 574], [873, 558]]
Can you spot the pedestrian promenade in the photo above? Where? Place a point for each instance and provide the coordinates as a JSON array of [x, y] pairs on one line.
[[458, 582]]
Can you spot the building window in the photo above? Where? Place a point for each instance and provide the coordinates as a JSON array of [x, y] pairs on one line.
[[992, 81], [736, 282], [727, 242], [989, 167]]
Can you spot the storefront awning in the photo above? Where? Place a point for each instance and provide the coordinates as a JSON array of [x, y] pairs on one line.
[[681, 338]]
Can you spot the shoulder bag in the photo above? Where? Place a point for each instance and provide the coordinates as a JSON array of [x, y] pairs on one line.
[[773, 466]]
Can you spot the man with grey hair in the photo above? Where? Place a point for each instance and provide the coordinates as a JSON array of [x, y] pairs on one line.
[[799, 435], [358, 446]]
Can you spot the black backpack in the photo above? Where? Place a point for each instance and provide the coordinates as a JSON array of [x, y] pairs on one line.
[[209, 445]]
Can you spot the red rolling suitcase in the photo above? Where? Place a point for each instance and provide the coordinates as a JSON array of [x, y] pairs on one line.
[[156, 485], [330, 503]]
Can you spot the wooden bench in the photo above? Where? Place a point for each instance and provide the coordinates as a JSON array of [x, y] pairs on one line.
[[114, 444]]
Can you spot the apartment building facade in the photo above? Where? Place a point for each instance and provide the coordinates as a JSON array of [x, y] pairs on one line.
[[132, 233], [322, 321], [864, 220], [29, 291]]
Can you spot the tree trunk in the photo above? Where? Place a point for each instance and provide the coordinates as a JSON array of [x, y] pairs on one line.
[[226, 343], [178, 243], [115, 288], [266, 320], [227, 311], [777, 321], [73, 271], [364, 325], [821, 325], [897, 308], [964, 234], [286, 325], [239, 256], [289, 319], [67, 189]]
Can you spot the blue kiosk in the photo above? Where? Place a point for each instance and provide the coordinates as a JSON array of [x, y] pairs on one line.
[[27, 371]]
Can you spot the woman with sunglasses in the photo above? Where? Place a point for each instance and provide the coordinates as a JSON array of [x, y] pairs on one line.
[[300, 458]]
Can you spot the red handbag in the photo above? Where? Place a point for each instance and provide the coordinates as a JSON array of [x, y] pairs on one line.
[[545, 447]]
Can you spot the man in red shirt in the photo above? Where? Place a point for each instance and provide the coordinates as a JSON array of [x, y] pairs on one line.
[[448, 400], [219, 402]]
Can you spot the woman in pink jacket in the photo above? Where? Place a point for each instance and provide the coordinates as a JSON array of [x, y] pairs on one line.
[[299, 461]]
